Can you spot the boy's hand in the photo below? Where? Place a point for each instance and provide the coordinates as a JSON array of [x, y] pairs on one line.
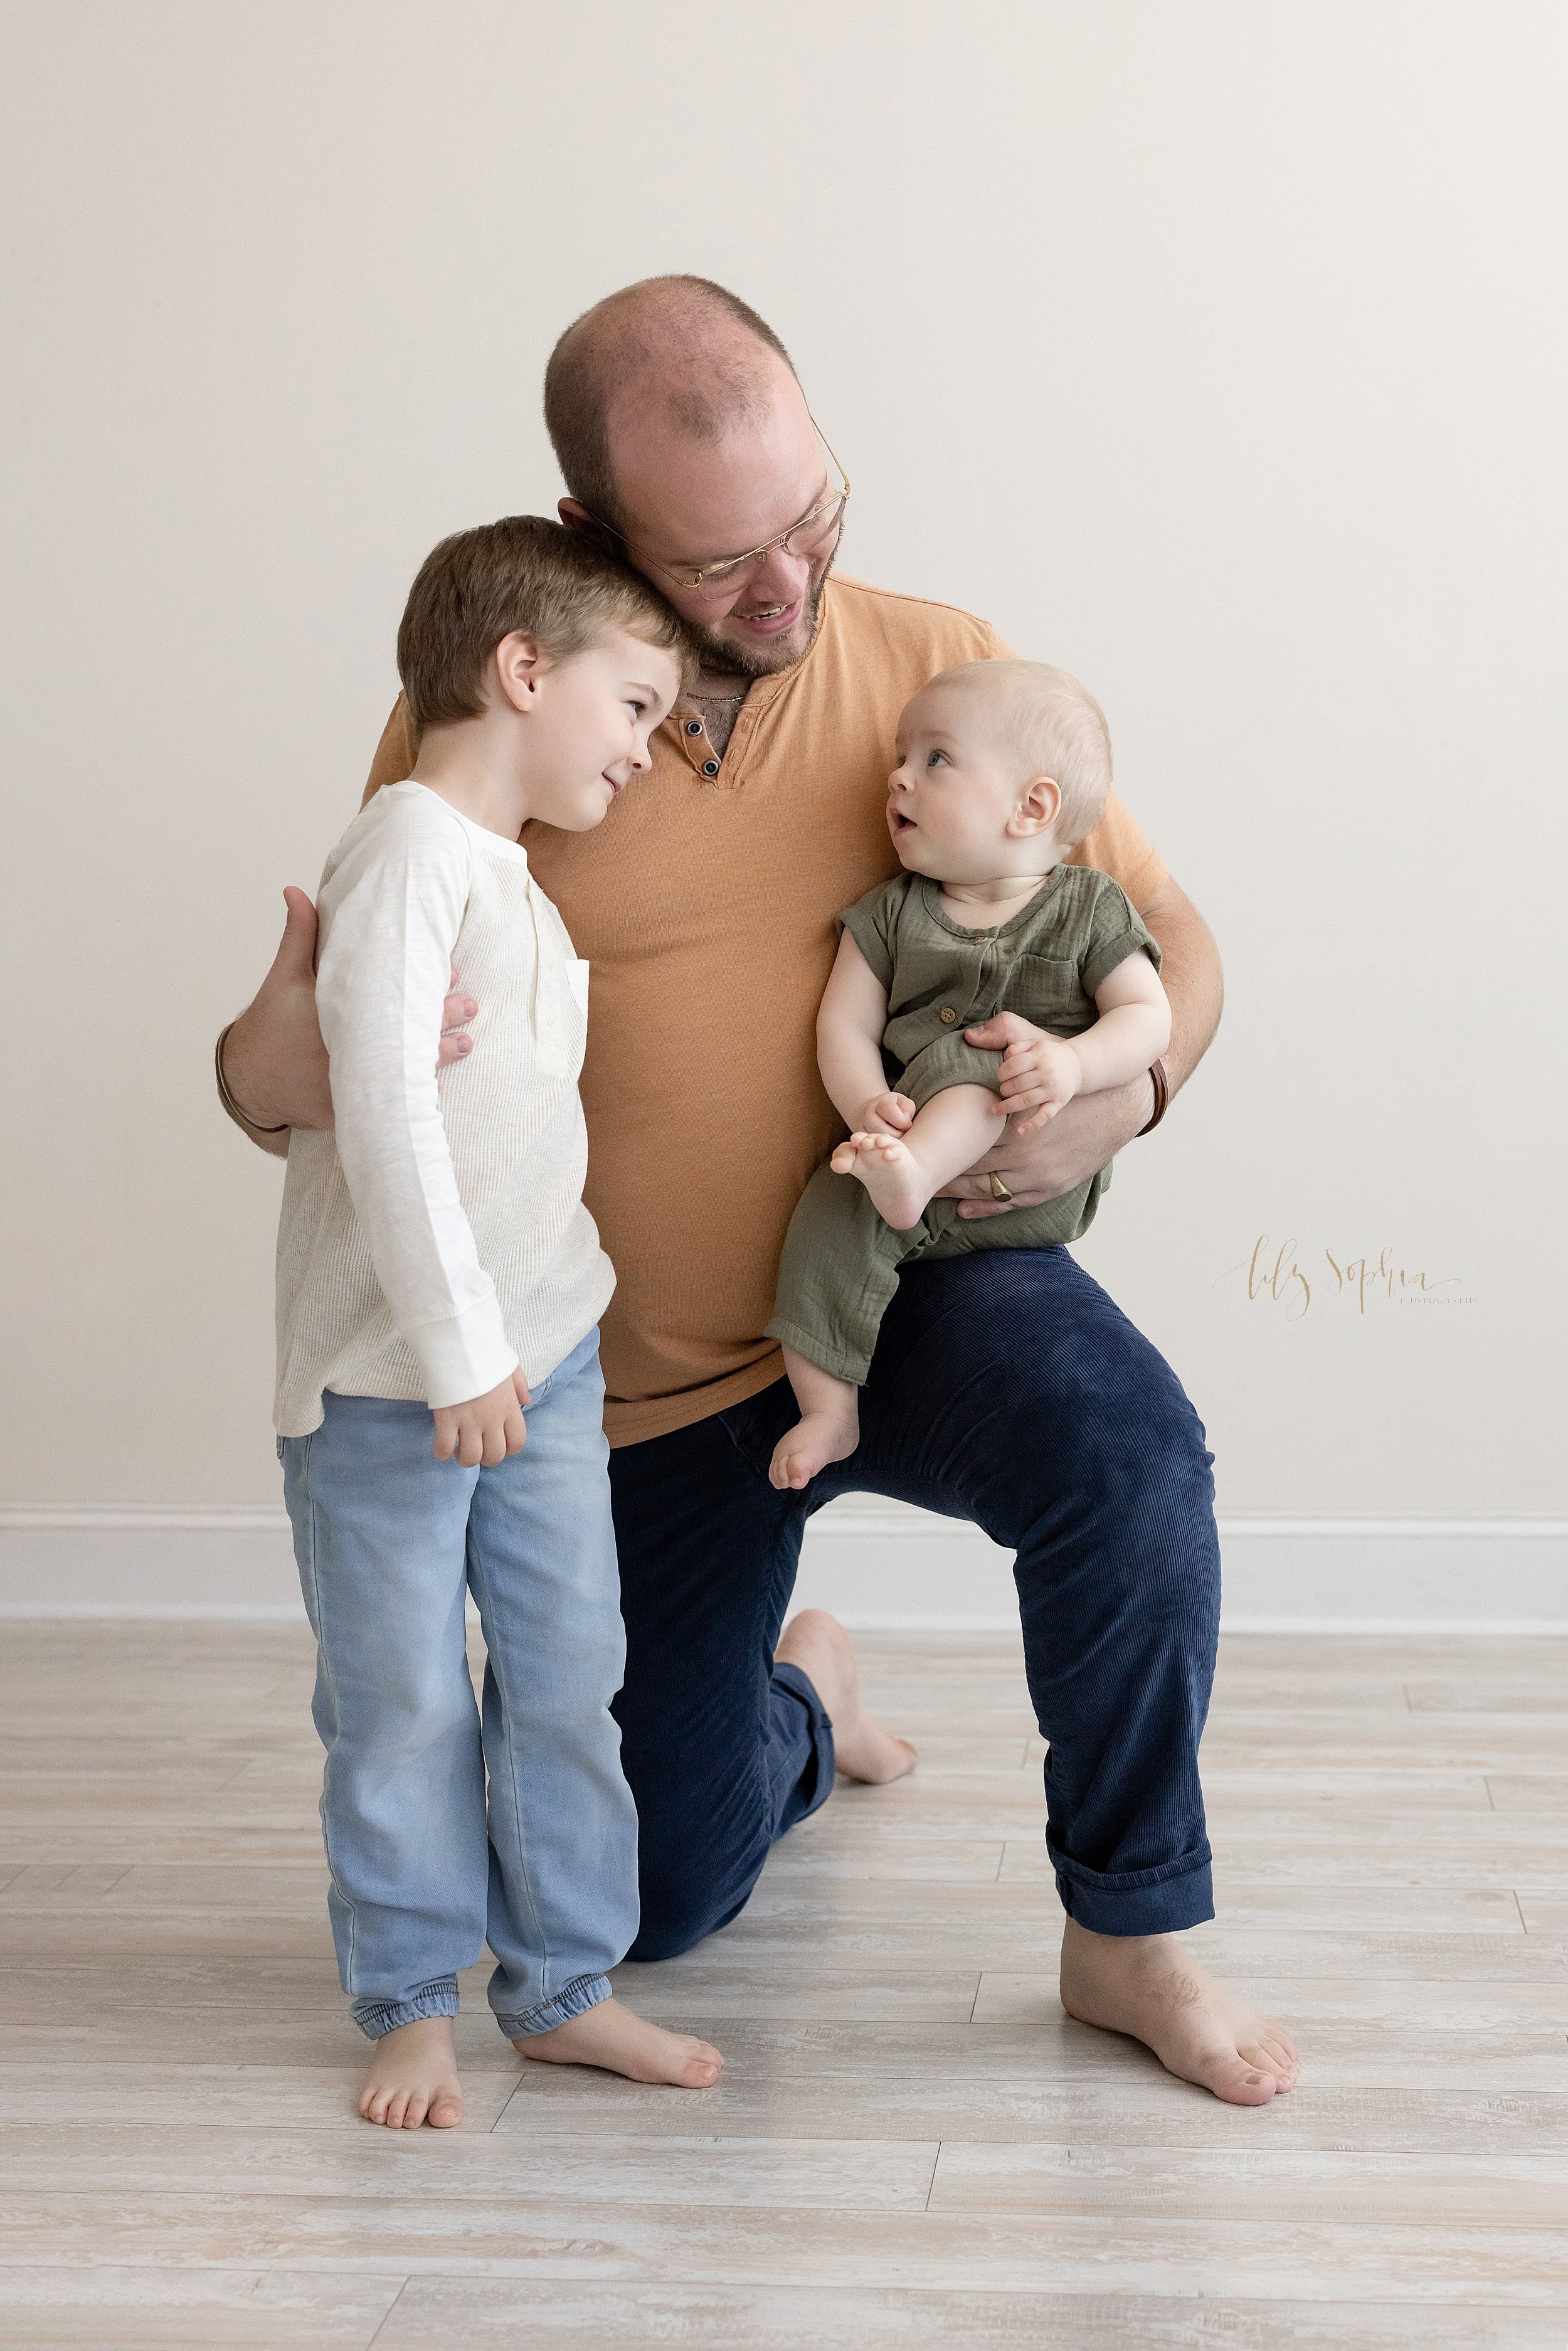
[[885, 1114], [486, 1429], [1039, 1074]]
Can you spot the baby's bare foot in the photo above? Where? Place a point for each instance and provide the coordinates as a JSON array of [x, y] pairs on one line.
[[898, 1185], [816, 1438], [1145, 1985], [622, 2043], [819, 1646], [413, 2078]]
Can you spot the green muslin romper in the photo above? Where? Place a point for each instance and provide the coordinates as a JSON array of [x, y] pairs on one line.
[[841, 1261]]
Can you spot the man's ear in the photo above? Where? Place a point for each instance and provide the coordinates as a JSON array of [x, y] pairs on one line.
[[1040, 805], [517, 665], [575, 515]]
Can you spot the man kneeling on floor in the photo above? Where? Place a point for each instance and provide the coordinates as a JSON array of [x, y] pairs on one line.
[[1006, 1387]]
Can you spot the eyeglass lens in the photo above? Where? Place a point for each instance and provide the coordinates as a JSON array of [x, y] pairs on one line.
[[807, 539]]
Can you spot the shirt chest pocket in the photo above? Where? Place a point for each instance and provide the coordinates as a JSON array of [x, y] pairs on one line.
[[1047, 990]]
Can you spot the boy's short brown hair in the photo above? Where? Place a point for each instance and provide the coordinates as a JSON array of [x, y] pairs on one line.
[[523, 572]]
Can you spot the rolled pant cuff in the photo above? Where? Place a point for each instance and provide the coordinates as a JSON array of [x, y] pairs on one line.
[[376, 2018], [1162, 1901], [584, 1992]]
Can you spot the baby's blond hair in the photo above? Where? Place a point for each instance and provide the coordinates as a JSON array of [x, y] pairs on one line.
[[1056, 728]]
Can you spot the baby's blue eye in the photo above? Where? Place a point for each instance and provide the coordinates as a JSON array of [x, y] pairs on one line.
[[937, 759]]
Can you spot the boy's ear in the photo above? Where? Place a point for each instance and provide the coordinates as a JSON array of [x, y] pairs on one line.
[[1040, 805], [516, 666]]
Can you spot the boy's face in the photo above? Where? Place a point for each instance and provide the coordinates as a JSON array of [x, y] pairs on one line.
[[589, 723], [956, 806]]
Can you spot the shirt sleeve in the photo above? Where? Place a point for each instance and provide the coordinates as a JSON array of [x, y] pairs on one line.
[[870, 923], [1115, 932], [1120, 847], [397, 903]]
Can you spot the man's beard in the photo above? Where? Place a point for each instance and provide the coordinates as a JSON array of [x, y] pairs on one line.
[[718, 652]]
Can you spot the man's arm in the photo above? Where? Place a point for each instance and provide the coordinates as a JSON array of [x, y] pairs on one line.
[[1093, 1128], [273, 1062]]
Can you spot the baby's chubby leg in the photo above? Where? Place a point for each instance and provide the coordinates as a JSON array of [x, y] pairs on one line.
[[828, 1427], [903, 1173]]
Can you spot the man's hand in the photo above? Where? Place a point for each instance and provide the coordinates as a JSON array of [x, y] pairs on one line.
[[1040, 1074], [884, 1114], [1090, 1132], [1073, 1146], [486, 1429], [274, 1060]]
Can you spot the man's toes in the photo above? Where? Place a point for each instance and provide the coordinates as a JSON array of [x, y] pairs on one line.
[[1240, 2083], [1275, 2054]]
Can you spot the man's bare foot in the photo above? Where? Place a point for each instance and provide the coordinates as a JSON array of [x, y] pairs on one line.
[[1145, 1985], [413, 2077], [819, 1646], [816, 1438], [899, 1186], [611, 2036]]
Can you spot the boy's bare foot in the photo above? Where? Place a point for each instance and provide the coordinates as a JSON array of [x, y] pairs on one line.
[[819, 1646], [899, 1186], [413, 2077], [816, 1438], [622, 2043], [1145, 1985]]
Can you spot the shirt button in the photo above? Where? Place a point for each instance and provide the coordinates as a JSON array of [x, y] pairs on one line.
[[947, 1016], [710, 767], [694, 727]]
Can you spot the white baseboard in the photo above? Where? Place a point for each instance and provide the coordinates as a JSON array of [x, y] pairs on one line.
[[876, 1564]]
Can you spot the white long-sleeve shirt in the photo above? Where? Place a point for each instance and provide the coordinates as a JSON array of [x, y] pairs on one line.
[[437, 1239]]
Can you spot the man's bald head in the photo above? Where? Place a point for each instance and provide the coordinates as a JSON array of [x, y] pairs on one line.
[[680, 346]]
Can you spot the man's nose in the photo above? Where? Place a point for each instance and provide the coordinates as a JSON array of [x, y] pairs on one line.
[[779, 578]]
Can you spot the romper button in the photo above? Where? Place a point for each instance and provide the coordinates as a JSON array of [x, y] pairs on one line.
[[694, 727], [710, 767], [947, 1015]]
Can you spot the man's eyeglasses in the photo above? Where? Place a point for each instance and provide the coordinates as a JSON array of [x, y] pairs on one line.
[[810, 537]]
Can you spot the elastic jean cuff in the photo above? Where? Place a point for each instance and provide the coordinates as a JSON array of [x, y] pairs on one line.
[[583, 1993], [1162, 1901], [376, 2018]]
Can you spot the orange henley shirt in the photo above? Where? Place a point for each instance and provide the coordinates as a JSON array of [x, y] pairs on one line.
[[705, 905]]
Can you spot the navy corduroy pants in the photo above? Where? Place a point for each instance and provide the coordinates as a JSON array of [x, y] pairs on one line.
[[1007, 1388]]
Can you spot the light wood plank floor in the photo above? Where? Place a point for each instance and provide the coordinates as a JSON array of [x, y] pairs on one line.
[[911, 2145]]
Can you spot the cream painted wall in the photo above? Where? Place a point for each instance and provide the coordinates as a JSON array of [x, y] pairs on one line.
[[1216, 352]]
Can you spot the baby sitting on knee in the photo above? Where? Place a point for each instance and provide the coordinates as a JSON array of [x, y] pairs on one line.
[[1003, 767]]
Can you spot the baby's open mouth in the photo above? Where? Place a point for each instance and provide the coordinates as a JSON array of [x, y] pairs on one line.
[[901, 823]]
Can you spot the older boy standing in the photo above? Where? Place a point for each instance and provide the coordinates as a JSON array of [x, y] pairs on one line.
[[705, 906]]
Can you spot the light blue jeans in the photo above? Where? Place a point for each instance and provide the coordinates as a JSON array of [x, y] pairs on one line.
[[389, 1542]]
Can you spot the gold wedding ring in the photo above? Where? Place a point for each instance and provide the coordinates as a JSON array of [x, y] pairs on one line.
[[998, 1189]]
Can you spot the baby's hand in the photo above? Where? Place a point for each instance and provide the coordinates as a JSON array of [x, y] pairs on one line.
[[486, 1429], [885, 1114], [1039, 1074]]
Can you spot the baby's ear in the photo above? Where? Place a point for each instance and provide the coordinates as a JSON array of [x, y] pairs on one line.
[[1040, 805]]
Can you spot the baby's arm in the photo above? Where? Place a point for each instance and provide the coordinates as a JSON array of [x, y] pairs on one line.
[[850, 1022], [1041, 1072], [397, 902]]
